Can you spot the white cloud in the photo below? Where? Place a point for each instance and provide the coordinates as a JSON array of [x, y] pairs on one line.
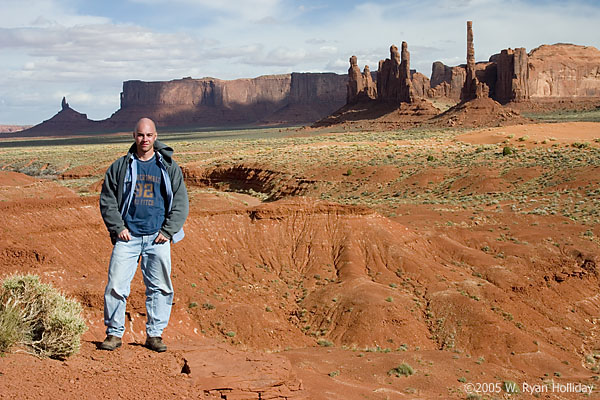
[[247, 10]]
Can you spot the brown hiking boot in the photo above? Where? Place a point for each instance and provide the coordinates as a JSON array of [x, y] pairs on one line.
[[156, 344], [110, 343]]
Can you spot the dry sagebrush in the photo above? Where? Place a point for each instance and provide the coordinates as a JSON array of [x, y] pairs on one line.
[[39, 317]]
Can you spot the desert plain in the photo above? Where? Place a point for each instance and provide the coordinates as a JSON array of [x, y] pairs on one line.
[[333, 263]]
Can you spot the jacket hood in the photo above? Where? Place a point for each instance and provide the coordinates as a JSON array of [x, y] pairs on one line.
[[163, 149]]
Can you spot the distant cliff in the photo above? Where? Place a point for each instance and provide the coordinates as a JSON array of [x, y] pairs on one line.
[[296, 98], [286, 99], [549, 72]]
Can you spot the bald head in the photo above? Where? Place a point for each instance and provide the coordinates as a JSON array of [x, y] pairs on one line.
[[145, 136], [145, 125]]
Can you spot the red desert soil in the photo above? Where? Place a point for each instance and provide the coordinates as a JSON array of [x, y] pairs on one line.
[[478, 112], [305, 299], [536, 134]]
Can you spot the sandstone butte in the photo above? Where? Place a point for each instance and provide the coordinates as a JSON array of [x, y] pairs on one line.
[[544, 78], [549, 74]]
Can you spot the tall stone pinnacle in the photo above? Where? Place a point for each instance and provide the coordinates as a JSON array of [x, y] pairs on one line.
[[472, 88], [470, 49]]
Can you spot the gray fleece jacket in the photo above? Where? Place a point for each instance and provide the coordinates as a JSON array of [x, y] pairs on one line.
[[116, 194]]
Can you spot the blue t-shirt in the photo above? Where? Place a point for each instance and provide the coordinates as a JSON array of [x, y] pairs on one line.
[[146, 213]]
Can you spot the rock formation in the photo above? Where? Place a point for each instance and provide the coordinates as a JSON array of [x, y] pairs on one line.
[[370, 89], [394, 83], [407, 94], [214, 102], [563, 71], [511, 73], [547, 73], [472, 89], [360, 85], [420, 84], [294, 98], [355, 81], [66, 121]]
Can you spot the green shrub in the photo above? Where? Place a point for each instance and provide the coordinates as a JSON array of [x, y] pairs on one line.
[[39, 317], [507, 151], [402, 370], [579, 145], [324, 343]]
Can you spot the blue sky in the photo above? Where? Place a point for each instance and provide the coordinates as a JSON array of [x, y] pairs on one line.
[[85, 49]]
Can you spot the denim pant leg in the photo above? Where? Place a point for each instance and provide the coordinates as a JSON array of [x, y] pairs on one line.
[[156, 269], [122, 267]]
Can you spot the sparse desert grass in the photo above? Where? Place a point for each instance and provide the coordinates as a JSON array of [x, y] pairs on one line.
[[566, 116], [344, 167]]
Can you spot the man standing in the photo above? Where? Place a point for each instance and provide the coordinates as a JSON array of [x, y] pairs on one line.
[[144, 204]]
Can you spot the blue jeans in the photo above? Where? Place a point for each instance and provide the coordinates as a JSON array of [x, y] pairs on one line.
[[156, 270]]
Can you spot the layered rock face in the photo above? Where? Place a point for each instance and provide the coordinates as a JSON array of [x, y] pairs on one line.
[[511, 83], [547, 73], [209, 101], [446, 81], [294, 98], [563, 71]]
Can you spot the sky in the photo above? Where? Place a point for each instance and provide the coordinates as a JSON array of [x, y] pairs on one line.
[[84, 50]]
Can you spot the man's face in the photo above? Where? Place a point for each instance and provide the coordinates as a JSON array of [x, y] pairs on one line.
[[144, 136]]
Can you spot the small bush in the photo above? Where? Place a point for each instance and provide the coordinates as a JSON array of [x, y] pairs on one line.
[[324, 343], [39, 317], [579, 145], [507, 151], [401, 370]]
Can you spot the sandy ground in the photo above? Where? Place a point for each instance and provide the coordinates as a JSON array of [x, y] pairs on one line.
[[536, 134]]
